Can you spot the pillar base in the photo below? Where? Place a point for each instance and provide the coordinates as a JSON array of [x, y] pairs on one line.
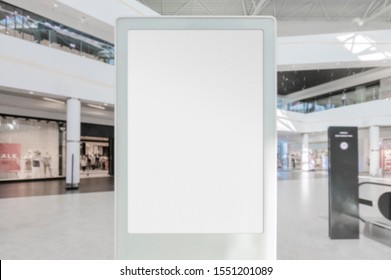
[[72, 186]]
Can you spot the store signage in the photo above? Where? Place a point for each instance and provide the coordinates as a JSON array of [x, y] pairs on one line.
[[9, 157], [386, 159]]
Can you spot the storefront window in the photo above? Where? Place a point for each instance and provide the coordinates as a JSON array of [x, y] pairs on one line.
[[30, 148], [94, 157], [319, 156]]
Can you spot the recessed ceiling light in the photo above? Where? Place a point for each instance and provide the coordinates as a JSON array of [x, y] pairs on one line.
[[53, 100], [96, 106], [55, 5], [31, 92]]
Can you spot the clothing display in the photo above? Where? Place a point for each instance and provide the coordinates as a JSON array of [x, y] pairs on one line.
[[27, 165], [46, 160]]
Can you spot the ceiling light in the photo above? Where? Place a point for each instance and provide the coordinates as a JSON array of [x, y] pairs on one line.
[[55, 5], [359, 21], [53, 100], [96, 106], [31, 92], [105, 104]]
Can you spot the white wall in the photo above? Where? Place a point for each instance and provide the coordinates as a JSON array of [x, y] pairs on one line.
[[29, 66], [39, 108], [109, 10], [290, 121]]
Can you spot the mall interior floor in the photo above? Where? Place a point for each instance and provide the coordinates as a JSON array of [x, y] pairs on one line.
[[302, 223], [43, 220], [80, 225], [55, 187]]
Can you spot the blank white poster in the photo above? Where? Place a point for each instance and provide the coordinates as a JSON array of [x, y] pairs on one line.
[[195, 131]]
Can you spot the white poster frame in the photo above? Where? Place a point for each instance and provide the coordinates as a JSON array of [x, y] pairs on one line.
[[200, 245]]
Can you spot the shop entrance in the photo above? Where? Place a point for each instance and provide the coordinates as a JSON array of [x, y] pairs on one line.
[[94, 157]]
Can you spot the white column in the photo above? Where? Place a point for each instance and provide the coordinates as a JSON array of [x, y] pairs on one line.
[[305, 153], [374, 155], [73, 142]]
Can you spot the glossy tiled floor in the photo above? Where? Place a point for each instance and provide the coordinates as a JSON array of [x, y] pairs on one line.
[[71, 226], [299, 175], [55, 187], [41, 220], [303, 223], [80, 224]]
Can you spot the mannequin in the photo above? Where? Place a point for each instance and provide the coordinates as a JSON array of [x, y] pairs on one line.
[[28, 164], [36, 160], [47, 160]]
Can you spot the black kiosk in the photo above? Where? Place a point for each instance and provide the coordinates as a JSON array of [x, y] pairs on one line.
[[343, 183]]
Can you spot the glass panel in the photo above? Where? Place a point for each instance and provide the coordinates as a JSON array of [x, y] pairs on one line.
[[347, 97], [28, 26]]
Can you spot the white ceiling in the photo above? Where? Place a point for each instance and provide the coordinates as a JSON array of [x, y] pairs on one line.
[[329, 10], [295, 17]]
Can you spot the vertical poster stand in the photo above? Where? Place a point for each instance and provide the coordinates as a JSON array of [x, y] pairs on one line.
[[195, 138]]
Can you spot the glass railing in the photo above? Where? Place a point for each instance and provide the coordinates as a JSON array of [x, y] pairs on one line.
[[358, 95], [28, 26]]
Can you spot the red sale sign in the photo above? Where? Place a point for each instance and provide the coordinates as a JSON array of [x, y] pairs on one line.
[[386, 159], [9, 157]]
